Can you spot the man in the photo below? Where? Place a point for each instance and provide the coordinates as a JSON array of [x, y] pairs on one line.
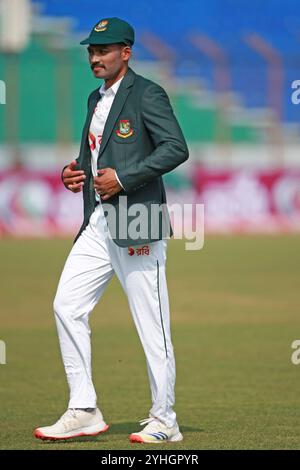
[[130, 139]]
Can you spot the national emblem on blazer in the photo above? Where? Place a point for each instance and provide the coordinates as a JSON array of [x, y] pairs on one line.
[[125, 129]]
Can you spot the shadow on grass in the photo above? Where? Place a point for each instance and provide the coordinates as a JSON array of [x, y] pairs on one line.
[[115, 429]]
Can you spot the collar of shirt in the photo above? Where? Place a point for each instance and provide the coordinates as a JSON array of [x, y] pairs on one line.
[[112, 90]]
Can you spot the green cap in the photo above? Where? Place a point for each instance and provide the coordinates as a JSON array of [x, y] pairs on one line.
[[111, 31]]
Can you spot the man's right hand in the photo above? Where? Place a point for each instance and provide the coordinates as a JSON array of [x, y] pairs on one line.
[[73, 179]]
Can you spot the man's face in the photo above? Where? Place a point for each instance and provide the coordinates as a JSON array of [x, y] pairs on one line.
[[107, 60]]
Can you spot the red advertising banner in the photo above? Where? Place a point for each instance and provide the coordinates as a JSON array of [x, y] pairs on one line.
[[249, 200], [37, 204]]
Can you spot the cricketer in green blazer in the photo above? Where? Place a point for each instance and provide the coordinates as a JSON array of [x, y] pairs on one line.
[[141, 140]]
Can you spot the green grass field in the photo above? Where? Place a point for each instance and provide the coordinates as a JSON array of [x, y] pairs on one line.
[[235, 309]]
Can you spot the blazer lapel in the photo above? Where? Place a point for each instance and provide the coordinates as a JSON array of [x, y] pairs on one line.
[[94, 100], [116, 107]]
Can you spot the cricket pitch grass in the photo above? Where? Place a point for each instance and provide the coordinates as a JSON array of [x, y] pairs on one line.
[[235, 311]]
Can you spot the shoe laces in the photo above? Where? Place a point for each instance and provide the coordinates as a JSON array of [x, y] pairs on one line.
[[153, 424], [68, 417]]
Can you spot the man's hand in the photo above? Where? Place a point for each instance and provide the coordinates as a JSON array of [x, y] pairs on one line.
[[73, 179], [106, 184]]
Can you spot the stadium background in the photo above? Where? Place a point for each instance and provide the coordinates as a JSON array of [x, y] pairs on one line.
[[228, 67]]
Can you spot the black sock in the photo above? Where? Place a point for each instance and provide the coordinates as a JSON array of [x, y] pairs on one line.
[[89, 410]]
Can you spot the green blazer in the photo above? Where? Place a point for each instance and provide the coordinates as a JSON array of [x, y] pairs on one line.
[[141, 140]]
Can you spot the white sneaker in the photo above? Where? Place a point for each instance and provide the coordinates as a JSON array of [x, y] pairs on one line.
[[74, 423], [156, 432]]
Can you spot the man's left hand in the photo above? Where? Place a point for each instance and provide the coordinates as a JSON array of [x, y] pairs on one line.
[[106, 184]]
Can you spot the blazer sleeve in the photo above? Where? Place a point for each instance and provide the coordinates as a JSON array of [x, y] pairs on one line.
[[170, 146], [77, 159]]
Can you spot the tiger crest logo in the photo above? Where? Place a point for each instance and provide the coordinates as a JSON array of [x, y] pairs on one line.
[[125, 129], [102, 26]]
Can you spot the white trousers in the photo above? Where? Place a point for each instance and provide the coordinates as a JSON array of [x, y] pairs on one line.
[[90, 265]]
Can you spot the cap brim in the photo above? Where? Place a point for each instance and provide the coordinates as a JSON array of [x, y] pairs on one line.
[[108, 40]]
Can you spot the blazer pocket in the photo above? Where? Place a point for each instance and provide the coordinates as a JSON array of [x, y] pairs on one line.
[[125, 131]]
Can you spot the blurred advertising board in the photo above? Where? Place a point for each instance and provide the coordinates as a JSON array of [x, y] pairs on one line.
[[37, 204]]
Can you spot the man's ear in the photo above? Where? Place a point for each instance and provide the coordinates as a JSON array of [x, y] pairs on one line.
[[126, 52]]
